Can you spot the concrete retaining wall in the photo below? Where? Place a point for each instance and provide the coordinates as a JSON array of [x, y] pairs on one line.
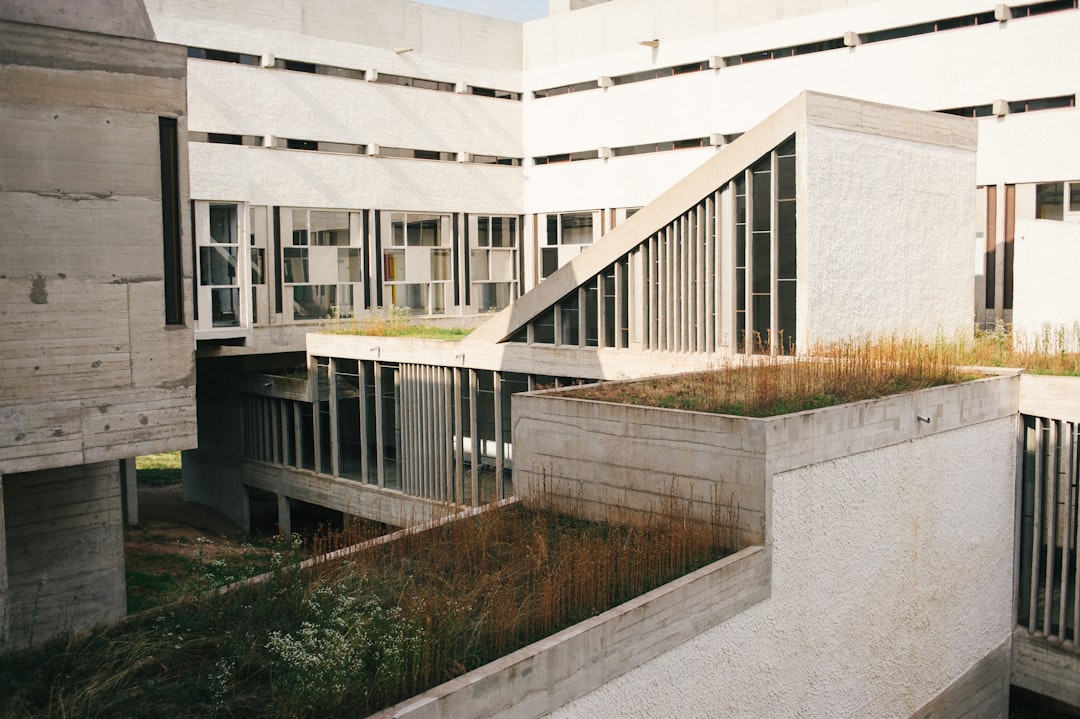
[[891, 538], [542, 676], [63, 546]]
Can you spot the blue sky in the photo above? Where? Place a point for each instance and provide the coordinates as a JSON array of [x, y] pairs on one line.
[[519, 10]]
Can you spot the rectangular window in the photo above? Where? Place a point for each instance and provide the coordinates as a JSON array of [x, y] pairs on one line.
[[1050, 201], [168, 142]]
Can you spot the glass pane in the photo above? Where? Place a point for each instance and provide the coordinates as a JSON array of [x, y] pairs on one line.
[[394, 265], [1050, 200], [225, 307], [760, 340], [549, 261], [592, 337], [440, 265], [577, 228], [223, 224], [438, 298], [552, 229], [1074, 197], [786, 178], [479, 265], [217, 265], [786, 240], [295, 262], [785, 307], [350, 265], [761, 270], [493, 295], [321, 301], [762, 193], [483, 231], [258, 266], [300, 227], [329, 228], [544, 328], [568, 311], [503, 231], [397, 228]]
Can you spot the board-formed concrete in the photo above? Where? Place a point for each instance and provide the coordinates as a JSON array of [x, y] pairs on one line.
[[892, 579], [64, 549]]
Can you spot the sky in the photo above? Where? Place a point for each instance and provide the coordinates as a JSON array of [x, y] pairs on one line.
[[518, 10]]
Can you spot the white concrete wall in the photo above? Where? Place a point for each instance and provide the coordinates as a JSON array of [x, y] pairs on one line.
[[892, 576], [987, 62], [884, 237], [1046, 295]]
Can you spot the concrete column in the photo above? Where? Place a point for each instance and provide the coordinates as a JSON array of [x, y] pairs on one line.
[[284, 511], [4, 614], [129, 491], [999, 255]]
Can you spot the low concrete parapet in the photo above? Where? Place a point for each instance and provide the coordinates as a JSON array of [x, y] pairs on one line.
[[545, 675]]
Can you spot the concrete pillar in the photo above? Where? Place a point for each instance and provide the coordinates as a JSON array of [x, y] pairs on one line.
[[129, 491], [999, 255], [284, 511], [3, 573]]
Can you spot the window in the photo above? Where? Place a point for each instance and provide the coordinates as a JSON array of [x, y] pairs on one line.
[[322, 263], [219, 271], [567, 234], [418, 261], [1050, 201], [494, 261], [406, 81], [170, 221]]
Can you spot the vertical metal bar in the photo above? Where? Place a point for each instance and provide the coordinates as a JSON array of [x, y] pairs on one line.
[[651, 281], [776, 342], [335, 448], [699, 274], [497, 394], [474, 445], [362, 379], [1065, 478], [1036, 530], [446, 432], [1051, 527], [380, 451], [459, 441]]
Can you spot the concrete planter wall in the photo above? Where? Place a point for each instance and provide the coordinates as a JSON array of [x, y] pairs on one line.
[[543, 676], [890, 539]]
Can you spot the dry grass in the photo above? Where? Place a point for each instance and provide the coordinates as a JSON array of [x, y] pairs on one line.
[[371, 629], [768, 386], [1051, 351]]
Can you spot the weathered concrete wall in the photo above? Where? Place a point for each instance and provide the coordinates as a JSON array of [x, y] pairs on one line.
[[610, 461], [1041, 667], [893, 562], [64, 550], [543, 675], [91, 370], [1050, 396]]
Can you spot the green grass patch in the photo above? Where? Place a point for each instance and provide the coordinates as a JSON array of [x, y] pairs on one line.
[[394, 324], [158, 470]]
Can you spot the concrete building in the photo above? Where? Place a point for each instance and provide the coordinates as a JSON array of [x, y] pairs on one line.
[[620, 189], [95, 300]]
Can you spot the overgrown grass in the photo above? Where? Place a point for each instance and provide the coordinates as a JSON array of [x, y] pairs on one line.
[[393, 324], [158, 470], [371, 629], [1051, 351], [770, 386]]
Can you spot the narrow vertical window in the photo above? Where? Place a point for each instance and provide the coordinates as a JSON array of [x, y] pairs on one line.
[[170, 221]]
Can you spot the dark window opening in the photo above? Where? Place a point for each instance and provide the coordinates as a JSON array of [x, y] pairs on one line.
[[168, 142]]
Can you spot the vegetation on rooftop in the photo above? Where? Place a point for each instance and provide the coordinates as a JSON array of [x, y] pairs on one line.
[[394, 323], [349, 637], [1053, 350]]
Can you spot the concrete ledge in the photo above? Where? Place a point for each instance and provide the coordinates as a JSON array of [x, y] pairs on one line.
[[547, 674], [1045, 667], [1048, 396], [981, 693]]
